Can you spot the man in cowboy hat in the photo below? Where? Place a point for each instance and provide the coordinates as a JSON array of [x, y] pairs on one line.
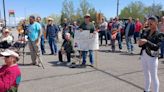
[[51, 35]]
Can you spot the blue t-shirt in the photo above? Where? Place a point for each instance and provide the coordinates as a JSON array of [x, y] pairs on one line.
[[33, 31]]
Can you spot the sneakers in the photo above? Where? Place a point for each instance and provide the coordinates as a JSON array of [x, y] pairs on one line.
[[82, 66], [69, 64], [132, 52], [120, 50], [59, 63]]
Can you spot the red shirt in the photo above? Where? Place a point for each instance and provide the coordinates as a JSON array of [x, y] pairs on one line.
[[138, 27], [8, 77]]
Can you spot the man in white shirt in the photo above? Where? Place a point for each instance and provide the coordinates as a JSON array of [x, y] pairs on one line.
[[103, 31]]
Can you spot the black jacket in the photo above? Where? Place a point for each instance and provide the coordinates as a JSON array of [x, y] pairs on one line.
[[131, 29], [153, 44]]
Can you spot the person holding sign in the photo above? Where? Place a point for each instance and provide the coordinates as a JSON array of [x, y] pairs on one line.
[[87, 25]]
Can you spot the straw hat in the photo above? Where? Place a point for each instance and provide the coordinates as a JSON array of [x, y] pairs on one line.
[[87, 15], [51, 19]]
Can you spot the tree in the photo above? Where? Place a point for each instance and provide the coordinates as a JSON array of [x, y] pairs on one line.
[[154, 9], [84, 7], [67, 10], [134, 9], [139, 10]]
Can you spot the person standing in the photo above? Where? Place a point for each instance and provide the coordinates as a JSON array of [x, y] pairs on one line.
[[34, 34], [52, 31], [150, 44], [38, 19], [87, 25], [129, 32], [75, 26], [161, 29], [117, 27], [103, 31], [109, 32], [138, 27]]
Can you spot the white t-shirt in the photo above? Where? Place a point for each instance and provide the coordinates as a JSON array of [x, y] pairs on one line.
[[103, 26], [9, 39]]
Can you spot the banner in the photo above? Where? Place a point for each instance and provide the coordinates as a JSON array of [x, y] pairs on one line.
[[86, 41]]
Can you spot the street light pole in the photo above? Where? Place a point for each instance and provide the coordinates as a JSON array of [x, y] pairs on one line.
[[117, 7], [4, 12]]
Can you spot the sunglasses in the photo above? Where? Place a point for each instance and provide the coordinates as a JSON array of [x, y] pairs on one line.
[[7, 56], [87, 17]]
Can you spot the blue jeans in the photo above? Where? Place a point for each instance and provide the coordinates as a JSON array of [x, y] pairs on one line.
[[129, 43], [42, 44], [53, 46], [84, 56], [119, 40], [162, 48], [136, 36]]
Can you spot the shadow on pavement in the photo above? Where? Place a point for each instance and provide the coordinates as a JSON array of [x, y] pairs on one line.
[[64, 64], [127, 54], [109, 51], [54, 63], [25, 64]]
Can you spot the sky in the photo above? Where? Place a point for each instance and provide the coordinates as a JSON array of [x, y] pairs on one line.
[[24, 8]]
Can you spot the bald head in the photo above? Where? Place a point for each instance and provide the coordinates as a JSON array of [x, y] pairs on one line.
[[162, 19]]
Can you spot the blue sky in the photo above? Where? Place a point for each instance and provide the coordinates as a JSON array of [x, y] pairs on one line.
[[48, 7]]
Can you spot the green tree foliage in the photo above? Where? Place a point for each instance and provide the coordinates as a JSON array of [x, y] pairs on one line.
[[84, 8], [154, 9], [134, 9], [67, 10], [138, 10]]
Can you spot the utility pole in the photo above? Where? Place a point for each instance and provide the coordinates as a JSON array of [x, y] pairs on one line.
[[0, 15], [117, 7], [4, 12]]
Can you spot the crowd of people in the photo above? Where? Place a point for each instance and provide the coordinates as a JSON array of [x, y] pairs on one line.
[[148, 35]]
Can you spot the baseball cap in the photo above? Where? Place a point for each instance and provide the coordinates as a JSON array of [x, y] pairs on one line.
[[8, 52], [154, 18]]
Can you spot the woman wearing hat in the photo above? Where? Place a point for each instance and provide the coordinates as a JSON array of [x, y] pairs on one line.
[[9, 73], [6, 39], [150, 43]]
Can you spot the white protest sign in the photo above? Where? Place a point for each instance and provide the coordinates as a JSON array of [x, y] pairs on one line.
[[86, 41]]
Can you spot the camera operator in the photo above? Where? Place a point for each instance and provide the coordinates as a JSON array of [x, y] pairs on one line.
[[150, 43]]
